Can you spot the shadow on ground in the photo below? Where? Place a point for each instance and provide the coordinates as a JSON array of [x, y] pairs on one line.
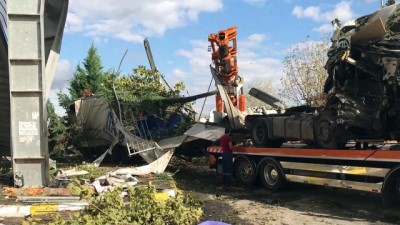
[[314, 201]]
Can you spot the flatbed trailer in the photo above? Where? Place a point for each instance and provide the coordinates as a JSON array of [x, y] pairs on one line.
[[375, 171]]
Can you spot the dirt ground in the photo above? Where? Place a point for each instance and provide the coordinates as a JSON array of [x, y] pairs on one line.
[[297, 204]]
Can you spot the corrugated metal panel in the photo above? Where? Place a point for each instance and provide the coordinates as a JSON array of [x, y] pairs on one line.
[[4, 84], [3, 16]]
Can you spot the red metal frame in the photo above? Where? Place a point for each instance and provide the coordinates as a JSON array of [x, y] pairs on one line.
[[344, 154]]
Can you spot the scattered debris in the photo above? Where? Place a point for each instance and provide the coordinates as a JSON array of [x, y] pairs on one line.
[[36, 191], [36, 199], [62, 174]]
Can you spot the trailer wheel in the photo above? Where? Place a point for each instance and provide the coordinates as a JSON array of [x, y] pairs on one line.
[[271, 175], [391, 188], [398, 187], [245, 171], [325, 132], [260, 135]]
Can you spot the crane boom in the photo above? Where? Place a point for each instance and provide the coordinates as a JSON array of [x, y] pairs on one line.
[[230, 98], [152, 64], [149, 55]]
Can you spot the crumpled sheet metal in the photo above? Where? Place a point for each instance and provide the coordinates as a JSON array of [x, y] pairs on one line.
[[205, 131], [158, 166]]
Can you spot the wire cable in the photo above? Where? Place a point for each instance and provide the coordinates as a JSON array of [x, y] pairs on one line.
[[204, 102]]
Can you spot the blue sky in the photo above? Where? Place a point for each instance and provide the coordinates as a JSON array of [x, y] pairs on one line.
[[178, 32]]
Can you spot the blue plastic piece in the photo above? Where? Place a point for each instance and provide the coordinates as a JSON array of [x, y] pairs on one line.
[[210, 222]]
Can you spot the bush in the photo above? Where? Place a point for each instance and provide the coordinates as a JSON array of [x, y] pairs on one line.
[[139, 206]]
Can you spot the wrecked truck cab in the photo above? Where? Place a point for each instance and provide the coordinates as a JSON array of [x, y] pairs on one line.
[[362, 89], [363, 81]]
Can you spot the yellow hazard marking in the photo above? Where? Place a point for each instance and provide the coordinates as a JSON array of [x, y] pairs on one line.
[[43, 209], [163, 196], [165, 189], [357, 170]]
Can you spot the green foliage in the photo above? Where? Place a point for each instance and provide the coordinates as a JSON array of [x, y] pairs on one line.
[[79, 188], [62, 133], [163, 176], [91, 76], [93, 171], [140, 86], [64, 100], [304, 72], [139, 206], [57, 139], [142, 90]]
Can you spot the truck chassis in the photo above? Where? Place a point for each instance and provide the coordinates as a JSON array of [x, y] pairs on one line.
[[375, 171]]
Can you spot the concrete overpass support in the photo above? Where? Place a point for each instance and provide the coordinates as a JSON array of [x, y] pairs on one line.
[[34, 39]]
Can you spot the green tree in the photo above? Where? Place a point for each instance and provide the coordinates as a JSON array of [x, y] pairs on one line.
[[89, 76], [62, 132], [142, 90], [304, 72], [57, 139]]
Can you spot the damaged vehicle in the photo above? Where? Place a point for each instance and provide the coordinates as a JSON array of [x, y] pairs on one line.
[[362, 90]]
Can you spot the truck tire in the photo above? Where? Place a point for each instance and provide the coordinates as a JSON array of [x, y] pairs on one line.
[[271, 175], [260, 136], [245, 171], [398, 187], [325, 132], [391, 188]]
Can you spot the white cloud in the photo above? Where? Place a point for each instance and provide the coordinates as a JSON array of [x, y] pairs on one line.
[[99, 40], [260, 68], [312, 12], [253, 40], [54, 100], [74, 23], [179, 74], [324, 29], [62, 75], [133, 20], [342, 11], [199, 76], [253, 65], [256, 2]]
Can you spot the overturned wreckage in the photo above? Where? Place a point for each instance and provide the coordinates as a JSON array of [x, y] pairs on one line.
[[362, 89], [101, 129], [100, 126]]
